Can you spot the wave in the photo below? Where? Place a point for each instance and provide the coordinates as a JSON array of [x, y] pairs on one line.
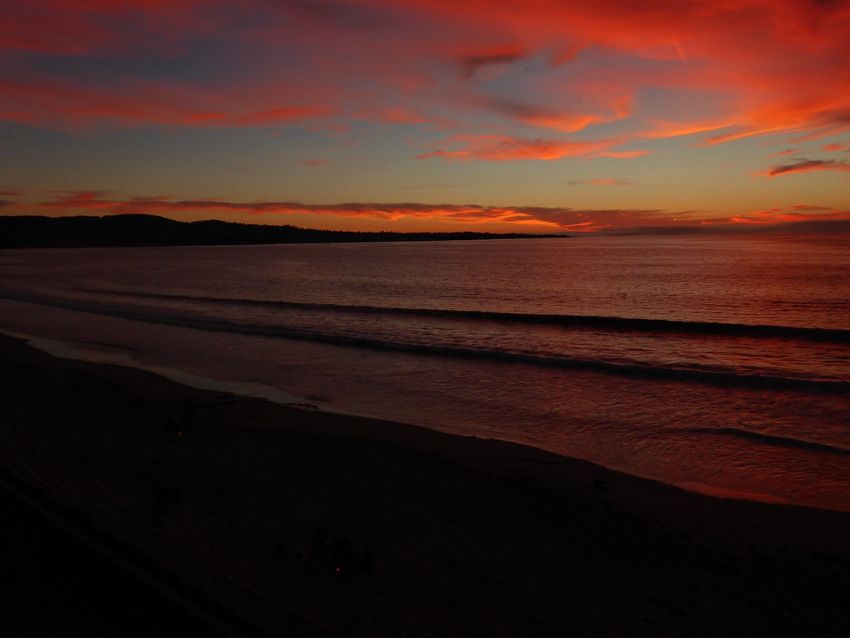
[[771, 439], [722, 377], [630, 324]]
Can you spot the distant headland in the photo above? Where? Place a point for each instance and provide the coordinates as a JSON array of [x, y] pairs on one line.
[[31, 231]]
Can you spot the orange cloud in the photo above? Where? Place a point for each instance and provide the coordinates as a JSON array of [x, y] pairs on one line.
[[786, 152], [554, 218], [559, 119], [835, 148], [790, 214], [624, 154]]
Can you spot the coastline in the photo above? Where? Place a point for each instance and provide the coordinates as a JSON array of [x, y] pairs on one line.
[[469, 536]]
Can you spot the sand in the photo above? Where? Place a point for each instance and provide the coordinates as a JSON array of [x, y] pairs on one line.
[[304, 523]]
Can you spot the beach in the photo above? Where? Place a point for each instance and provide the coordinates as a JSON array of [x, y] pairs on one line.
[[418, 318], [306, 523]]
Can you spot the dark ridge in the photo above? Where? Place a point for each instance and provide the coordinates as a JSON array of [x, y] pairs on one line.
[[29, 231], [625, 324]]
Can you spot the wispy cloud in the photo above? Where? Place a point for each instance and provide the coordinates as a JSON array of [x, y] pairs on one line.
[[836, 147], [471, 63], [807, 166], [559, 119], [778, 71], [553, 218], [500, 148], [786, 152], [600, 181]]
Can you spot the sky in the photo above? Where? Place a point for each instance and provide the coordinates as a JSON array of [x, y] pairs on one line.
[[411, 115]]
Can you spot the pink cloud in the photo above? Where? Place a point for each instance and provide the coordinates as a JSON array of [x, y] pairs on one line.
[[773, 67], [500, 148]]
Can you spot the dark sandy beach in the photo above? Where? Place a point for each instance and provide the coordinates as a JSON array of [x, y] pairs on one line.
[[304, 523]]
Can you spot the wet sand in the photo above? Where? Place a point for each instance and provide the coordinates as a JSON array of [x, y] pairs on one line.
[[305, 523]]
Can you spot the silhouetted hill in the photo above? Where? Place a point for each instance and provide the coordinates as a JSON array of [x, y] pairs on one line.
[[27, 231]]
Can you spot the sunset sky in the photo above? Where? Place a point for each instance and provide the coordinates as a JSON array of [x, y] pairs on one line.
[[540, 115]]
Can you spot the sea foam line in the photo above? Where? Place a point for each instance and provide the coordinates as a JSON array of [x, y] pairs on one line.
[[568, 321], [713, 377]]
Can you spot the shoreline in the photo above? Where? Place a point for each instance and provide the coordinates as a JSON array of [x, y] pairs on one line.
[[229, 493], [100, 354]]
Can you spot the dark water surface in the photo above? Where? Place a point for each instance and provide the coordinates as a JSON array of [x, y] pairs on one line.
[[719, 364]]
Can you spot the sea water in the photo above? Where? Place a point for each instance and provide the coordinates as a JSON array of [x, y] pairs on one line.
[[717, 363]]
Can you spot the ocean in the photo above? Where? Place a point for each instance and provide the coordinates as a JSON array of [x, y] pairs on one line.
[[717, 363]]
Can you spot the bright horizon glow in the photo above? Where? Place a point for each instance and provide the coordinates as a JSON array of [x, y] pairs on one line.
[[414, 115]]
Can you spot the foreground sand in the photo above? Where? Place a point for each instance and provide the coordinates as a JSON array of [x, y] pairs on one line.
[[313, 524]]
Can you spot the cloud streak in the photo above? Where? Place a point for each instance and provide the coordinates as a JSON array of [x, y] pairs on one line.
[[600, 181], [502, 148], [552, 218], [808, 166], [438, 216], [472, 63], [774, 67]]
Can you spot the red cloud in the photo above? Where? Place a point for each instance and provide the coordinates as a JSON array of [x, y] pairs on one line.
[[763, 67], [79, 27], [62, 104], [281, 115]]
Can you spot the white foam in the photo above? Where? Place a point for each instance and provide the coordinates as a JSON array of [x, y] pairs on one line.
[[725, 492]]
